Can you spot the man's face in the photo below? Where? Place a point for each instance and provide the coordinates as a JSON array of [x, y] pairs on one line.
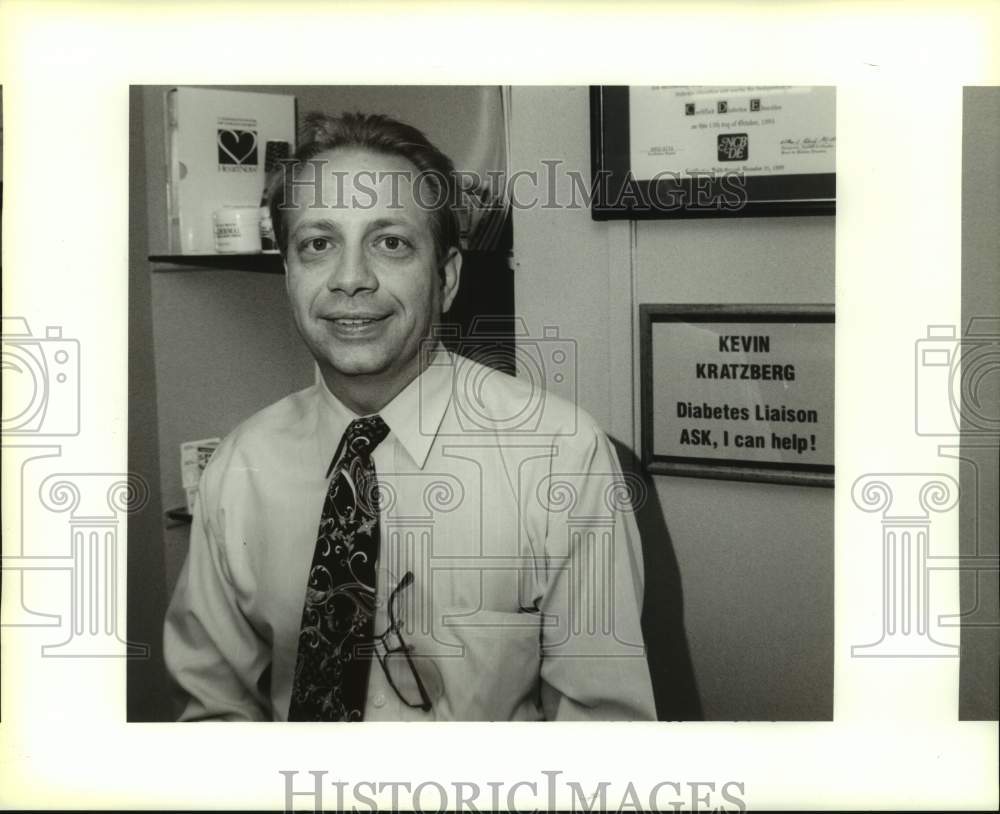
[[361, 271]]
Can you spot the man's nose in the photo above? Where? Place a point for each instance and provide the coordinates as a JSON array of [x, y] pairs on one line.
[[352, 272]]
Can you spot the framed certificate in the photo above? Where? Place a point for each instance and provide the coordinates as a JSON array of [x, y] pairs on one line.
[[682, 151], [740, 392]]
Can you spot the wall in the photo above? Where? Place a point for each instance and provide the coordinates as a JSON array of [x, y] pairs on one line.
[[739, 608]]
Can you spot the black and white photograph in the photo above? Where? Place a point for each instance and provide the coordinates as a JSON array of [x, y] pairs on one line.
[[498, 552], [544, 409]]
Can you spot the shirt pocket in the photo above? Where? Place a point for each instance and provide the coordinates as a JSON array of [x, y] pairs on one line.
[[495, 675]]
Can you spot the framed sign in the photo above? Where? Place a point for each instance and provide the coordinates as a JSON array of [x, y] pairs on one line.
[[740, 392], [684, 151]]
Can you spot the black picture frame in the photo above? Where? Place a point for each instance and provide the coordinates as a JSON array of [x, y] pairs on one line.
[[618, 195], [693, 466]]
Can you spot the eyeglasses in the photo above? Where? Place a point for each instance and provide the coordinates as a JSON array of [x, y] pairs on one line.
[[397, 663]]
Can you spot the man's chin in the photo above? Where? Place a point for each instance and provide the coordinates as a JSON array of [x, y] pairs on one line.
[[359, 368]]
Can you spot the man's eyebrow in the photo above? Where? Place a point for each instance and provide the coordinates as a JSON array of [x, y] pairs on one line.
[[382, 223], [320, 224]]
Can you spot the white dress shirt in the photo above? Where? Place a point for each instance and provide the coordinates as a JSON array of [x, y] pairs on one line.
[[506, 503]]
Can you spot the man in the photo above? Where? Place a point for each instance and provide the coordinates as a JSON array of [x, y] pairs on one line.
[[416, 536]]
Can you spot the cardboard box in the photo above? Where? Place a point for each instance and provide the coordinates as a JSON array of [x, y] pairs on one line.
[[215, 156]]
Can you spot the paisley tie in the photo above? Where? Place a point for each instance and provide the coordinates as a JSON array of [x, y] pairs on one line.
[[335, 638]]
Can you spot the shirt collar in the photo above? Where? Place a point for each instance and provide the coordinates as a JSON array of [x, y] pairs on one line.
[[413, 416]]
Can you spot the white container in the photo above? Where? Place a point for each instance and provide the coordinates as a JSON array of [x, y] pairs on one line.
[[237, 229]]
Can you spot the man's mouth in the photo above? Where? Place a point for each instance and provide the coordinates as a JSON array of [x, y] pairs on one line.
[[355, 322]]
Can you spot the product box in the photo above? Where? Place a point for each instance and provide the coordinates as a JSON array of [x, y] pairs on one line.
[[195, 456], [216, 143]]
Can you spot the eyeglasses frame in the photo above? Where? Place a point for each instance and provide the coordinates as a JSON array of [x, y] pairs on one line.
[[425, 700]]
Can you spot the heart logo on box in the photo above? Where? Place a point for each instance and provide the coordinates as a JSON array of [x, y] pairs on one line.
[[237, 147]]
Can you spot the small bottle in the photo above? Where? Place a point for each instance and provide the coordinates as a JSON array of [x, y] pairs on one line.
[[274, 152]]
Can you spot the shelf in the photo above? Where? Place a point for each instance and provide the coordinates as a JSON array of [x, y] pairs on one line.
[[257, 262]]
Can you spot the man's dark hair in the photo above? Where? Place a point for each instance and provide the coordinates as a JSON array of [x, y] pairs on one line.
[[380, 134]]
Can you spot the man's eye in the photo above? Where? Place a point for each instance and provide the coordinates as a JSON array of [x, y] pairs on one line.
[[315, 244], [393, 244]]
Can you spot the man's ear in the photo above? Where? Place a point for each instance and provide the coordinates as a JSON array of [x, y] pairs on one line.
[[451, 274]]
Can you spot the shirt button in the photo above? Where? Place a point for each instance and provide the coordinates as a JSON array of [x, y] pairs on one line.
[[379, 700]]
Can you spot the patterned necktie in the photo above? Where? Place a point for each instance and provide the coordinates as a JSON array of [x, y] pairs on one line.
[[335, 653]]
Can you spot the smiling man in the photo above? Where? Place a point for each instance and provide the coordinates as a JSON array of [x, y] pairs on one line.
[[416, 536], [366, 279]]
